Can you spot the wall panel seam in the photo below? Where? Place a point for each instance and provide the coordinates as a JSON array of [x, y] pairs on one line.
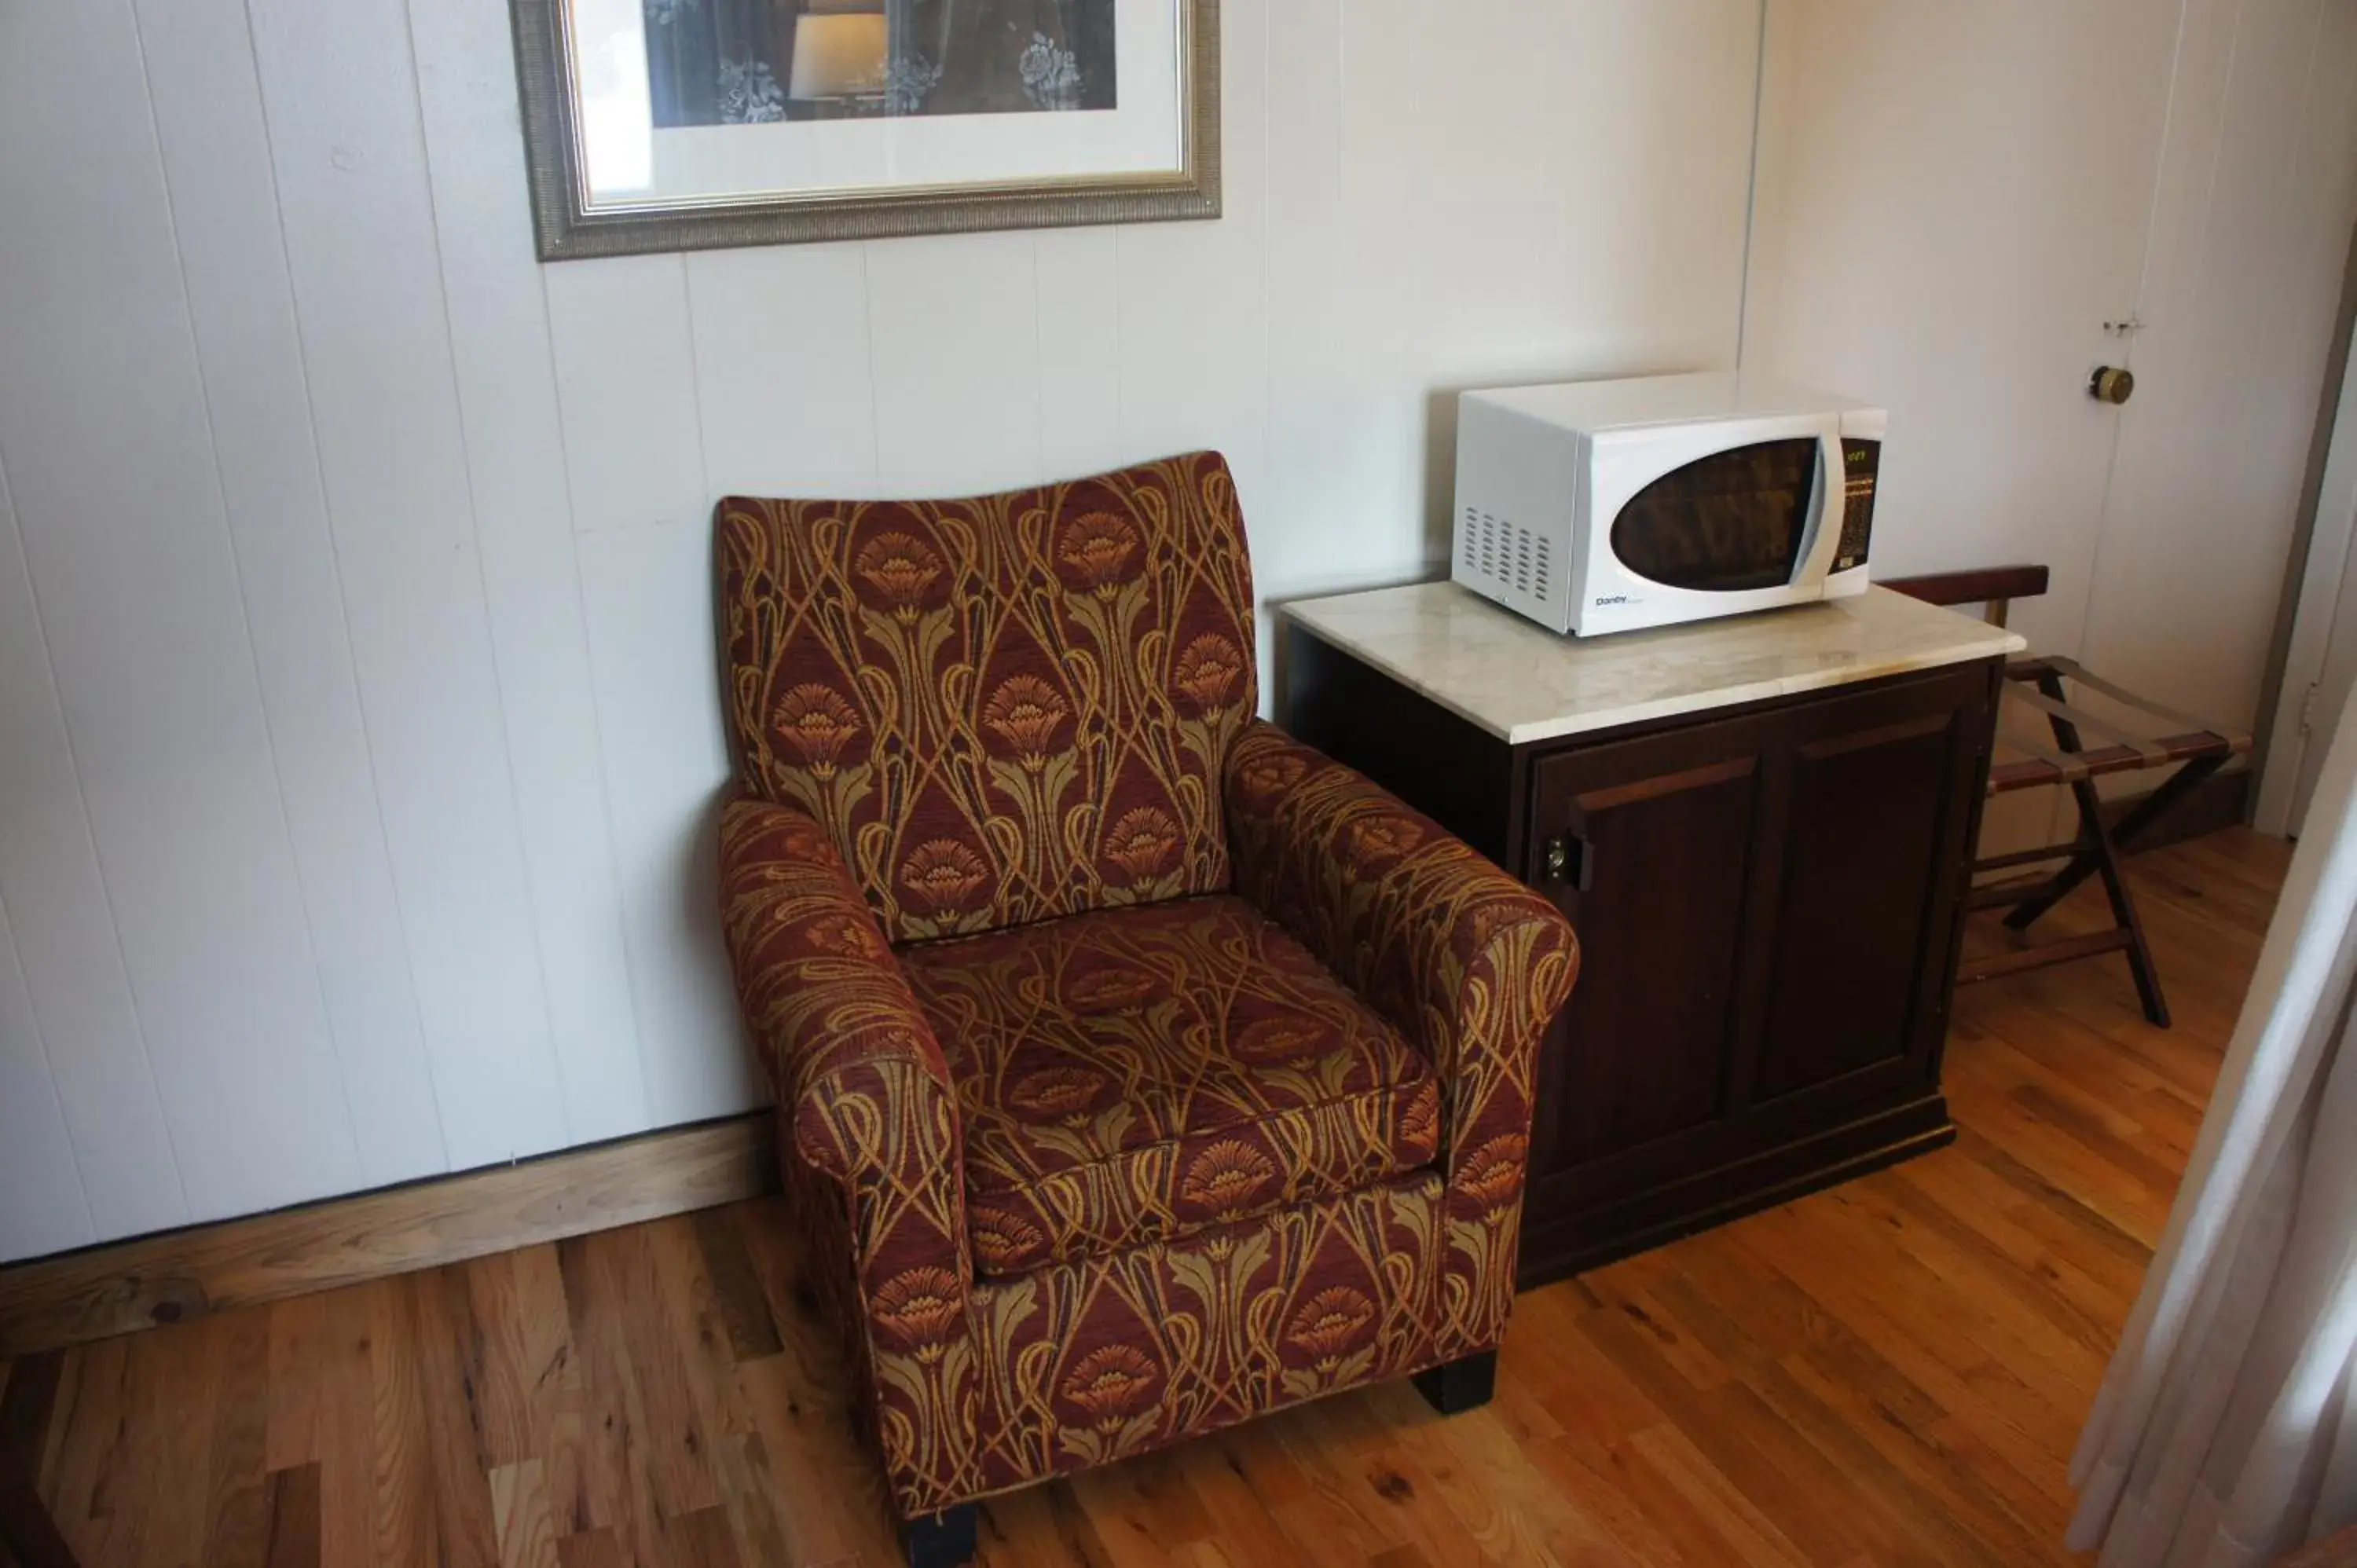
[[868, 330], [48, 1068], [1120, 350], [336, 558], [482, 583], [1039, 366], [32, 1004], [2307, 99], [695, 373], [245, 611], [90, 842], [589, 672], [1267, 310], [686, 275]]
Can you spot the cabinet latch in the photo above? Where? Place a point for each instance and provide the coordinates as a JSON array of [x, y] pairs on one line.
[[1572, 859]]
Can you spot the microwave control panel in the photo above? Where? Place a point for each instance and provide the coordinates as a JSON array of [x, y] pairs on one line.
[[1862, 462]]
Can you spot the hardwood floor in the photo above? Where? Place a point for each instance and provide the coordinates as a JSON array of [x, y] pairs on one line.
[[1891, 1372]]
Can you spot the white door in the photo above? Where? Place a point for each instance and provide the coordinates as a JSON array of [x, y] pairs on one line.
[[2241, 290]]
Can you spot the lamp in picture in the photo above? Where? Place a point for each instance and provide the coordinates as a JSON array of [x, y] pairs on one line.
[[839, 56]]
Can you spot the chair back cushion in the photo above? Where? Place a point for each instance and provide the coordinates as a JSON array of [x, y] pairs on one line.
[[1003, 708]]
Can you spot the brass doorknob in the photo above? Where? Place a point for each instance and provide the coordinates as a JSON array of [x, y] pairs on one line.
[[2111, 385]]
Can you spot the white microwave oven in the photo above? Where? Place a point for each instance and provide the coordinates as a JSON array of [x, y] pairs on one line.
[[1596, 507]]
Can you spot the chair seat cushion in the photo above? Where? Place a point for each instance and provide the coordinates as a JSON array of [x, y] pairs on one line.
[[1132, 1075]]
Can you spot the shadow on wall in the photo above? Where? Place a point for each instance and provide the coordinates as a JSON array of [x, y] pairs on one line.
[[696, 885], [699, 887]]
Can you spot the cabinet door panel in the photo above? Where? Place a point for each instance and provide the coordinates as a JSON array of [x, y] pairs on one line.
[[1770, 912], [1640, 1051], [1861, 868]]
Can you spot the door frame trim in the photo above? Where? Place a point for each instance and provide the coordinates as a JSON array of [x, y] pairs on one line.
[[2313, 570]]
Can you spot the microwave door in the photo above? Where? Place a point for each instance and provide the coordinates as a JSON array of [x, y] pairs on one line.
[[1707, 518], [1826, 510]]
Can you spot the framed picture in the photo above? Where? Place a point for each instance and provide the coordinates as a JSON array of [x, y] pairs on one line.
[[682, 124]]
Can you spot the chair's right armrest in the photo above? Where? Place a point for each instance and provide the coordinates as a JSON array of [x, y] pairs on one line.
[[1466, 962], [859, 1078]]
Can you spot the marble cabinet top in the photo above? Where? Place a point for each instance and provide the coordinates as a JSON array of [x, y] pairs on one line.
[[1522, 682]]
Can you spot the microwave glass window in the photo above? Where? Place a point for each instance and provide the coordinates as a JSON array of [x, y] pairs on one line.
[[1733, 521]]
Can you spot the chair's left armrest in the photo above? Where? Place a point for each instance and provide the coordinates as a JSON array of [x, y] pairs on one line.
[[864, 1092], [868, 1109], [1466, 962]]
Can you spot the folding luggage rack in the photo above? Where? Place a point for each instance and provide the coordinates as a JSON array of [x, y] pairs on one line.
[[2193, 746]]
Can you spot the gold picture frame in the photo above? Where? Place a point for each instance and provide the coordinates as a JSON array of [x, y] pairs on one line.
[[568, 226]]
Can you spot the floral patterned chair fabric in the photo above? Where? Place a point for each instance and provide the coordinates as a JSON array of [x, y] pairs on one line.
[[1003, 709], [1145, 1069], [1133, 1075]]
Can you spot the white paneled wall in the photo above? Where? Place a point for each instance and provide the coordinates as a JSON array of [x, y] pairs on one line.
[[358, 738]]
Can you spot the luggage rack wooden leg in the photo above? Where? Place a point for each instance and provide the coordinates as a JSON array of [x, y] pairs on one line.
[[2174, 789], [2094, 852]]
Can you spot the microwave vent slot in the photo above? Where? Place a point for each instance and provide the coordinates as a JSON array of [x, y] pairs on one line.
[[1506, 554]]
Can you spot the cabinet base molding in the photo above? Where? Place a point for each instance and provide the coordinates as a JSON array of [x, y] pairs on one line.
[[1646, 1220], [175, 1275]]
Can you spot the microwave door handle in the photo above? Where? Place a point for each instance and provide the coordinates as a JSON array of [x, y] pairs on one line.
[[1825, 523]]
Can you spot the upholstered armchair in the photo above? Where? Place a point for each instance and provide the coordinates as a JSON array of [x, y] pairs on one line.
[[1138, 1070]]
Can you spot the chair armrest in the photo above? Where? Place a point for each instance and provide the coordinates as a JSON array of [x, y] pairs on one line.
[[1460, 957], [1466, 962], [860, 1080]]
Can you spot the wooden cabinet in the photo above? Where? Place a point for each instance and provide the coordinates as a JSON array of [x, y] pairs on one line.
[[1769, 900]]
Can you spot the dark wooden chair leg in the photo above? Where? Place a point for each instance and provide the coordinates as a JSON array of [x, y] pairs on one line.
[[1455, 1387], [943, 1539]]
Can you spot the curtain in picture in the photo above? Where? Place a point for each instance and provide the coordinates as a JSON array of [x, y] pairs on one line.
[[2224, 1435], [715, 62], [718, 62], [1007, 56]]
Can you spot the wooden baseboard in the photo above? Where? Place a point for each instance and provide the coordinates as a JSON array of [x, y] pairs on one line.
[[2221, 801], [72, 1297]]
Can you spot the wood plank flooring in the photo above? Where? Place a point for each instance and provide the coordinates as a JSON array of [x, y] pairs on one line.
[[1890, 1373]]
